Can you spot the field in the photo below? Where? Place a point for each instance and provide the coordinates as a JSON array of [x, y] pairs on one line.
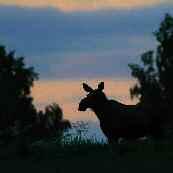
[[83, 156]]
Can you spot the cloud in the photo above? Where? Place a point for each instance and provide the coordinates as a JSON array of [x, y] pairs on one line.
[[85, 5], [79, 44]]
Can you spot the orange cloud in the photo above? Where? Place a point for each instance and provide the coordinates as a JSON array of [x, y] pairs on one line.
[[68, 94], [79, 5]]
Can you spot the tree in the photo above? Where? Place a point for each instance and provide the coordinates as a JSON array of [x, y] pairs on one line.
[[164, 57], [54, 113], [154, 77], [16, 81], [154, 86]]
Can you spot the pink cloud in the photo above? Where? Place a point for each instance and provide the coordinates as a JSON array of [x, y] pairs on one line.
[[84, 5]]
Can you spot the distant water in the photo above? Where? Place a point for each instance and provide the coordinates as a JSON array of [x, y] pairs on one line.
[[90, 131]]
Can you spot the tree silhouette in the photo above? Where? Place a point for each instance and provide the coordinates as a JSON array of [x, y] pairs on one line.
[[54, 113], [16, 81], [154, 86], [154, 77]]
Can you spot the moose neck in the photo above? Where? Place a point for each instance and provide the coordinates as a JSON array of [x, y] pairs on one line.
[[100, 109]]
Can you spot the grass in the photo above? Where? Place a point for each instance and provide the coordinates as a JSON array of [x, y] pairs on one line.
[[79, 154]]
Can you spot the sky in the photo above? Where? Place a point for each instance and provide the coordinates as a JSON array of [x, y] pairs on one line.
[[85, 5], [72, 41]]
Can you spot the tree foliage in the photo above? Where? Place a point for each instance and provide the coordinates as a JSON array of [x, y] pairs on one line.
[[154, 76], [16, 81], [54, 111]]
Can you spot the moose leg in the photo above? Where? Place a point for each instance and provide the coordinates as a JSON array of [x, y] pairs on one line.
[[123, 146], [118, 146], [113, 145]]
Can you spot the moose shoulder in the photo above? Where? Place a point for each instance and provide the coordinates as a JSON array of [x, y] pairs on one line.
[[116, 119]]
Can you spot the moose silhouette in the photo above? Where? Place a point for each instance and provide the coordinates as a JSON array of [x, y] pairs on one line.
[[116, 119]]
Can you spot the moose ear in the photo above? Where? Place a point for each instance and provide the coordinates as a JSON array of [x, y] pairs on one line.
[[87, 88], [101, 86]]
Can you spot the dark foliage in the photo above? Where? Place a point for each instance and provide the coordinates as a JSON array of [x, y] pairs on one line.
[[16, 81], [154, 85], [20, 122], [154, 76], [50, 123]]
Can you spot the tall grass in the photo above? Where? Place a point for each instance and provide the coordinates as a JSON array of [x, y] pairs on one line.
[[75, 152], [76, 142]]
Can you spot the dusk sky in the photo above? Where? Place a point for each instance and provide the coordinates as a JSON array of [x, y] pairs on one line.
[[71, 41]]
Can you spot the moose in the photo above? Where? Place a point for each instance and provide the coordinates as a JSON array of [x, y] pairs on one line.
[[117, 120]]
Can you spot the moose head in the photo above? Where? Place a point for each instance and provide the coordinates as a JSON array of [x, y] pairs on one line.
[[94, 98]]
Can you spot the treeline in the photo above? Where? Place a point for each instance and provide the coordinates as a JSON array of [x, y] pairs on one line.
[[19, 118], [154, 87]]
